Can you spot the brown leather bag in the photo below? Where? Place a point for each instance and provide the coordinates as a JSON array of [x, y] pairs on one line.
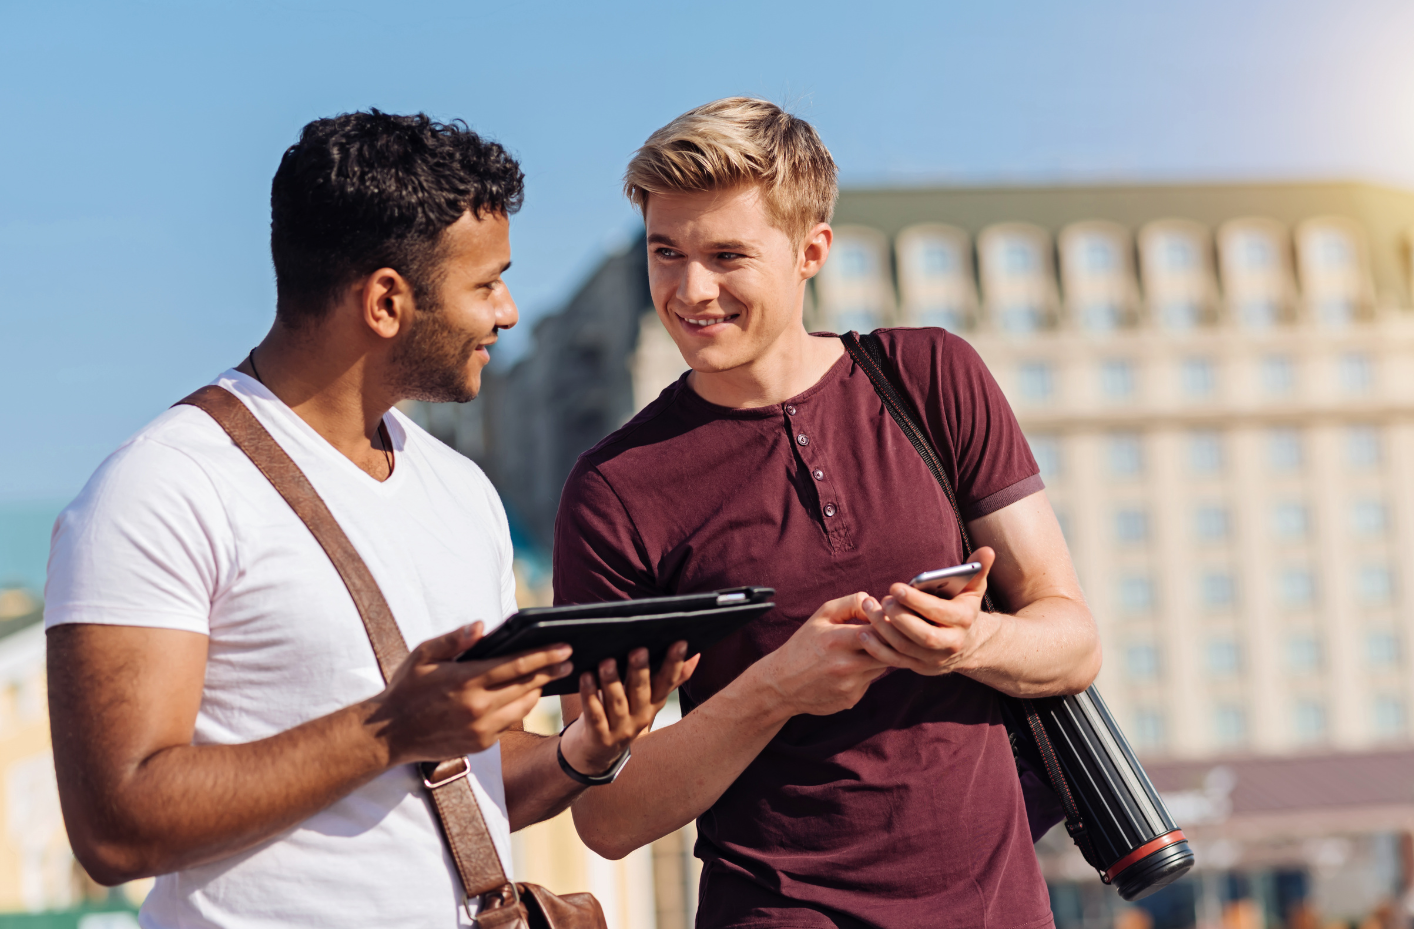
[[504, 905]]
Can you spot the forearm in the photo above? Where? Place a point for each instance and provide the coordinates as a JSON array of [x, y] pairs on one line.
[[187, 805], [536, 788], [1048, 648], [677, 772]]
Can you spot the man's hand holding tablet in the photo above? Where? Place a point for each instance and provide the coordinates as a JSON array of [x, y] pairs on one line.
[[615, 711], [628, 656]]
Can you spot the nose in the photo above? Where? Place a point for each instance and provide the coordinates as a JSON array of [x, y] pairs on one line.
[[507, 314], [698, 285]]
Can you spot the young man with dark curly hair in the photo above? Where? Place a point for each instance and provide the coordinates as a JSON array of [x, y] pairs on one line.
[[219, 717], [846, 763]]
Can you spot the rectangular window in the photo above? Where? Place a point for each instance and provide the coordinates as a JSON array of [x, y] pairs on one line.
[[1290, 520], [1046, 449], [1284, 451], [1278, 375], [1230, 725], [1224, 658], [1297, 587], [1126, 455], [1200, 378], [1310, 718], [1136, 593], [1131, 526], [1362, 447], [1375, 584], [1100, 317], [1180, 315], [1212, 523], [1035, 381], [1149, 730], [1357, 373], [1303, 654], [1258, 315], [1369, 518], [1020, 319], [1205, 452], [1142, 662], [939, 260], [1389, 716], [1382, 649], [1116, 379], [1218, 590]]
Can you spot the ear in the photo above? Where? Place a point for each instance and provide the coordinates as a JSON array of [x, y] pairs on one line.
[[815, 250], [386, 299]]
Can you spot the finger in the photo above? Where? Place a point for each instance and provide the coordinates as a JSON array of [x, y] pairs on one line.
[[881, 651], [639, 682], [615, 700], [958, 611], [505, 718], [669, 675], [687, 668], [843, 609], [889, 631], [594, 716], [978, 583], [502, 671], [448, 646]]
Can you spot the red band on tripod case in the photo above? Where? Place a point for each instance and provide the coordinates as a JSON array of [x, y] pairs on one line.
[[1163, 841]]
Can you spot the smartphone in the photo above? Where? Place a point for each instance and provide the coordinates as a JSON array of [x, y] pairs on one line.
[[946, 582]]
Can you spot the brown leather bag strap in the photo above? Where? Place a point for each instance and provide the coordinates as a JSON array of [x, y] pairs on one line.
[[477, 862]]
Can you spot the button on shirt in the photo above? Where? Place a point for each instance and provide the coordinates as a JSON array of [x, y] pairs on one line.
[[904, 810]]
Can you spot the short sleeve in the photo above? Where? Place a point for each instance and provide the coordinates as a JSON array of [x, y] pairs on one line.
[[147, 543], [966, 413], [599, 554]]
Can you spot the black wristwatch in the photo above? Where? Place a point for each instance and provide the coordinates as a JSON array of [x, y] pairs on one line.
[[590, 780]]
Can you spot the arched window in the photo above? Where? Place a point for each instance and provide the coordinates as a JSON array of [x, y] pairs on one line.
[[854, 289], [1018, 284], [936, 286], [1175, 263], [1256, 273]]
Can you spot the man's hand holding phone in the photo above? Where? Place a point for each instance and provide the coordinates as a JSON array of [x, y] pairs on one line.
[[929, 634]]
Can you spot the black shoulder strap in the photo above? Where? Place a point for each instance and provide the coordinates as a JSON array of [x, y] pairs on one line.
[[868, 352]]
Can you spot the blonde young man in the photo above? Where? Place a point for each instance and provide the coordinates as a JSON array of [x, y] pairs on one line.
[[846, 762]]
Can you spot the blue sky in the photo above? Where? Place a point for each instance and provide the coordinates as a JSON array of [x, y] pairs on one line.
[[141, 138]]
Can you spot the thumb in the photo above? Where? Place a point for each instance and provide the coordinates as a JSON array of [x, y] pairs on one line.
[[449, 646]]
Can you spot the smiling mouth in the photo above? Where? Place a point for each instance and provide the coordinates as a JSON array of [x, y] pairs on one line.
[[703, 323]]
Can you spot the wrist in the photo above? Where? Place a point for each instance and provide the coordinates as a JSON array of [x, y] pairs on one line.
[[986, 628], [579, 750], [376, 735], [759, 695]]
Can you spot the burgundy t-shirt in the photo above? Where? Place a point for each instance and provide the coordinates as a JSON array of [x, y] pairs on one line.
[[904, 811]]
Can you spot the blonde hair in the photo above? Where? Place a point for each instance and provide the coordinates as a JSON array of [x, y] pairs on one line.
[[741, 141]]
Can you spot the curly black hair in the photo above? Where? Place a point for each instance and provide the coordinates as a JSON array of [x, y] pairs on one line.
[[364, 191]]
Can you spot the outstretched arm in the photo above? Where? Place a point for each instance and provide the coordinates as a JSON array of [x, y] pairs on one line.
[[1046, 644], [140, 799], [677, 772]]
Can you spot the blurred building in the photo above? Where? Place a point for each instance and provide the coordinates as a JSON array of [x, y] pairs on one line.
[[1218, 384]]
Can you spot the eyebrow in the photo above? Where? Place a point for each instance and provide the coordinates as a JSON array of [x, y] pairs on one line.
[[726, 245]]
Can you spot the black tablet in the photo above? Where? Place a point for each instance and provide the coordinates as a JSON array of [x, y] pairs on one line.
[[611, 630]]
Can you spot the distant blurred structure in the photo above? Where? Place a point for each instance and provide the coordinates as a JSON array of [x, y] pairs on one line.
[[1218, 384]]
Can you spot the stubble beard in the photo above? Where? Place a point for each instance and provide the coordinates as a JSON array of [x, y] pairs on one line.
[[431, 364]]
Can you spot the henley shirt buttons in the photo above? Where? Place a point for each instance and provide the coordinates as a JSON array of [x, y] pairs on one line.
[[802, 439], [819, 475], [790, 410], [829, 509]]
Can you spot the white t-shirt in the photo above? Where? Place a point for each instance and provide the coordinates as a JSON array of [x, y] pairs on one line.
[[178, 530]]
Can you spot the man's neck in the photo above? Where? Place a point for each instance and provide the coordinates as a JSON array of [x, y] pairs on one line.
[[340, 398], [791, 366]]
